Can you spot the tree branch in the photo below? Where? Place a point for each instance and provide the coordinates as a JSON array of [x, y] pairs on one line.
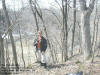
[[83, 4], [91, 5]]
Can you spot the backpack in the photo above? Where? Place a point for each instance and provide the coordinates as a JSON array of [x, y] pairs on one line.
[[43, 43]]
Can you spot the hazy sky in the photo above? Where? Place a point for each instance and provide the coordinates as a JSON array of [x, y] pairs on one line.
[[18, 3]]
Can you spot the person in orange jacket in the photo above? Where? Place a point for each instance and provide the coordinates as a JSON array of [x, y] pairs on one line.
[[41, 45]]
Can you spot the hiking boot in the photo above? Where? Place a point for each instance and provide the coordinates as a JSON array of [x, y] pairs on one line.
[[45, 65], [41, 64]]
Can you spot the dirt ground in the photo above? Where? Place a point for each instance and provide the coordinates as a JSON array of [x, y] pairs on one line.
[[62, 69]]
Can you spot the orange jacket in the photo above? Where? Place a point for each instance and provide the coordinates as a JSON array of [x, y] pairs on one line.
[[38, 44]]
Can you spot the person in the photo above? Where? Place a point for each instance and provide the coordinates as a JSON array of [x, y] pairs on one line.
[[41, 45]]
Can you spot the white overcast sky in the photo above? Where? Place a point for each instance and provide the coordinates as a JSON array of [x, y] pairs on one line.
[[18, 3]]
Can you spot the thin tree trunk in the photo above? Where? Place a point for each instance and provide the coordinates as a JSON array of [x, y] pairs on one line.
[[34, 13], [2, 57], [10, 33], [21, 46], [2, 52], [63, 29], [94, 31], [65, 36], [80, 41], [95, 43], [74, 24], [7, 55]]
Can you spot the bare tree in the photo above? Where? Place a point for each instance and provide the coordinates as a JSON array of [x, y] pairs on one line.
[[34, 12], [74, 24], [10, 33], [65, 30], [85, 27], [2, 60], [21, 45]]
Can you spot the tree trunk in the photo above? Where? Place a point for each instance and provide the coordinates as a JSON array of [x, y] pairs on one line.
[[2, 56], [10, 33], [74, 24], [7, 55], [85, 27], [34, 13], [65, 32], [62, 30], [86, 37], [21, 46]]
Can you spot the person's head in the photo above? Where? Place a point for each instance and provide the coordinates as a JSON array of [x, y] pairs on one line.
[[39, 33]]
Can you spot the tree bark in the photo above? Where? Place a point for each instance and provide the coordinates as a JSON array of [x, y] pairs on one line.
[[2, 56], [21, 46], [85, 27], [86, 37], [65, 31], [74, 24]]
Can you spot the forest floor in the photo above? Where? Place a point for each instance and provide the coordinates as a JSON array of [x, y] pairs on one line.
[[68, 67]]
